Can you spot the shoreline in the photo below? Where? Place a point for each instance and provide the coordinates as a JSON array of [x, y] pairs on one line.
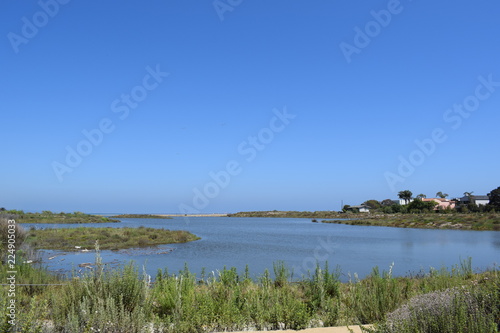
[[472, 222], [440, 221], [488, 221], [195, 215]]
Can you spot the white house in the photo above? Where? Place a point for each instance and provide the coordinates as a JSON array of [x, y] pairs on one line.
[[361, 208], [403, 202], [480, 200]]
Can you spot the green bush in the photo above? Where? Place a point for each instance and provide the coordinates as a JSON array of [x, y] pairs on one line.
[[373, 297], [123, 300], [450, 311], [10, 233]]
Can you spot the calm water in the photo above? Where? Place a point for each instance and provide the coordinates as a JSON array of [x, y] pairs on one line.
[[259, 242]]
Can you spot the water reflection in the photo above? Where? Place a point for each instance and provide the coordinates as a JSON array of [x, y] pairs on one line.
[[495, 236], [259, 242]]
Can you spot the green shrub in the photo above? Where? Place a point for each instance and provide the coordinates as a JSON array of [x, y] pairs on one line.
[[450, 311], [122, 300], [7, 229], [373, 297], [101, 300]]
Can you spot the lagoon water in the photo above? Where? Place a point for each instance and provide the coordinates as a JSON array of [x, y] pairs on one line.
[[299, 243]]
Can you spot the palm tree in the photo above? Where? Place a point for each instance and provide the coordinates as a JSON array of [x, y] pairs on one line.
[[421, 196], [441, 195], [406, 195], [468, 194]]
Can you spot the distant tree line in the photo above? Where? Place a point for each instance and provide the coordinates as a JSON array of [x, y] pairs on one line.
[[417, 205]]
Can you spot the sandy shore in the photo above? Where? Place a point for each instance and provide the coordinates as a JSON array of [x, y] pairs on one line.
[[340, 329]]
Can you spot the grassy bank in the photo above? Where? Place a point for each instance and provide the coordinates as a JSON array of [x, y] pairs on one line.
[[109, 238], [60, 218], [470, 221], [123, 300], [486, 221], [292, 214], [141, 216]]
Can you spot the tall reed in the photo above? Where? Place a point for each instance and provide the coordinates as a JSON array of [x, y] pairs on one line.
[[102, 300], [124, 300]]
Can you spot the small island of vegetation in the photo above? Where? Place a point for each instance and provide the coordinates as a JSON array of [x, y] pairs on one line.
[[47, 216], [71, 239]]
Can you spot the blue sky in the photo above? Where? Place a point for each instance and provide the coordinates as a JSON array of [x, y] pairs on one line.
[[225, 106]]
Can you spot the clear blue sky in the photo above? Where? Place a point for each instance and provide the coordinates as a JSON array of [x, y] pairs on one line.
[[354, 85]]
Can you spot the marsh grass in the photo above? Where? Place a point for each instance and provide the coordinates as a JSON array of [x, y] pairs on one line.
[[109, 238], [31, 300], [472, 221], [108, 301], [367, 301], [7, 231], [60, 218], [125, 300]]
